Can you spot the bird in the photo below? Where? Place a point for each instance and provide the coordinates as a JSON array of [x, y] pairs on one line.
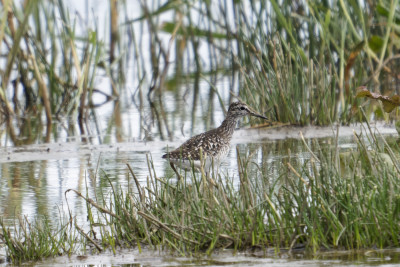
[[208, 149]]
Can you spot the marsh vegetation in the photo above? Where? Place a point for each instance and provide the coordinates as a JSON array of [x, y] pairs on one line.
[[296, 62]]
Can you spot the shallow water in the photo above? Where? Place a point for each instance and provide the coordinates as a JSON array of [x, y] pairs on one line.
[[35, 177], [227, 258]]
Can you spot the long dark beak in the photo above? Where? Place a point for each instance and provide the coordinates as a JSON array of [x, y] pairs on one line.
[[252, 113]]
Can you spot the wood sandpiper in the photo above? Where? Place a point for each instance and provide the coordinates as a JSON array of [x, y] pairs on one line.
[[210, 148]]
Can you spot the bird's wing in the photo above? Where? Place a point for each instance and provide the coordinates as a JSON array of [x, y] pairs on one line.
[[210, 143]]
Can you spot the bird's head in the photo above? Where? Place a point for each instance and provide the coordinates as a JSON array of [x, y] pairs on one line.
[[239, 109]]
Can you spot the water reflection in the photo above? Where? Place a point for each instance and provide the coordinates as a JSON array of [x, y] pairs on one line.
[[133, 257]]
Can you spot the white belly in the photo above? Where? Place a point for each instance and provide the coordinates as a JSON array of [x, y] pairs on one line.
[[208, 163]]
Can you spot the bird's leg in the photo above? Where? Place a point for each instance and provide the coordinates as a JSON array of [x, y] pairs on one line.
[[177, 173], [210, 173]]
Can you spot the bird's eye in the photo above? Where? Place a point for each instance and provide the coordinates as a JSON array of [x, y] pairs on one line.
[[242, 108]]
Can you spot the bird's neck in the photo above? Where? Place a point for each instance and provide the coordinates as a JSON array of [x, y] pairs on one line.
[[228, 125]]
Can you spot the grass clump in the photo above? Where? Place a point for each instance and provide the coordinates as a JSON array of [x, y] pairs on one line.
[[332, 201], [31, 240]]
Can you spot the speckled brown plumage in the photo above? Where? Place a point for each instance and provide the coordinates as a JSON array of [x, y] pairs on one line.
[[210, 142], [215, 143]]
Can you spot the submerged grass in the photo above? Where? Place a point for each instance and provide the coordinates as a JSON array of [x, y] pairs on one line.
[[31, 240], [348, 200]]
